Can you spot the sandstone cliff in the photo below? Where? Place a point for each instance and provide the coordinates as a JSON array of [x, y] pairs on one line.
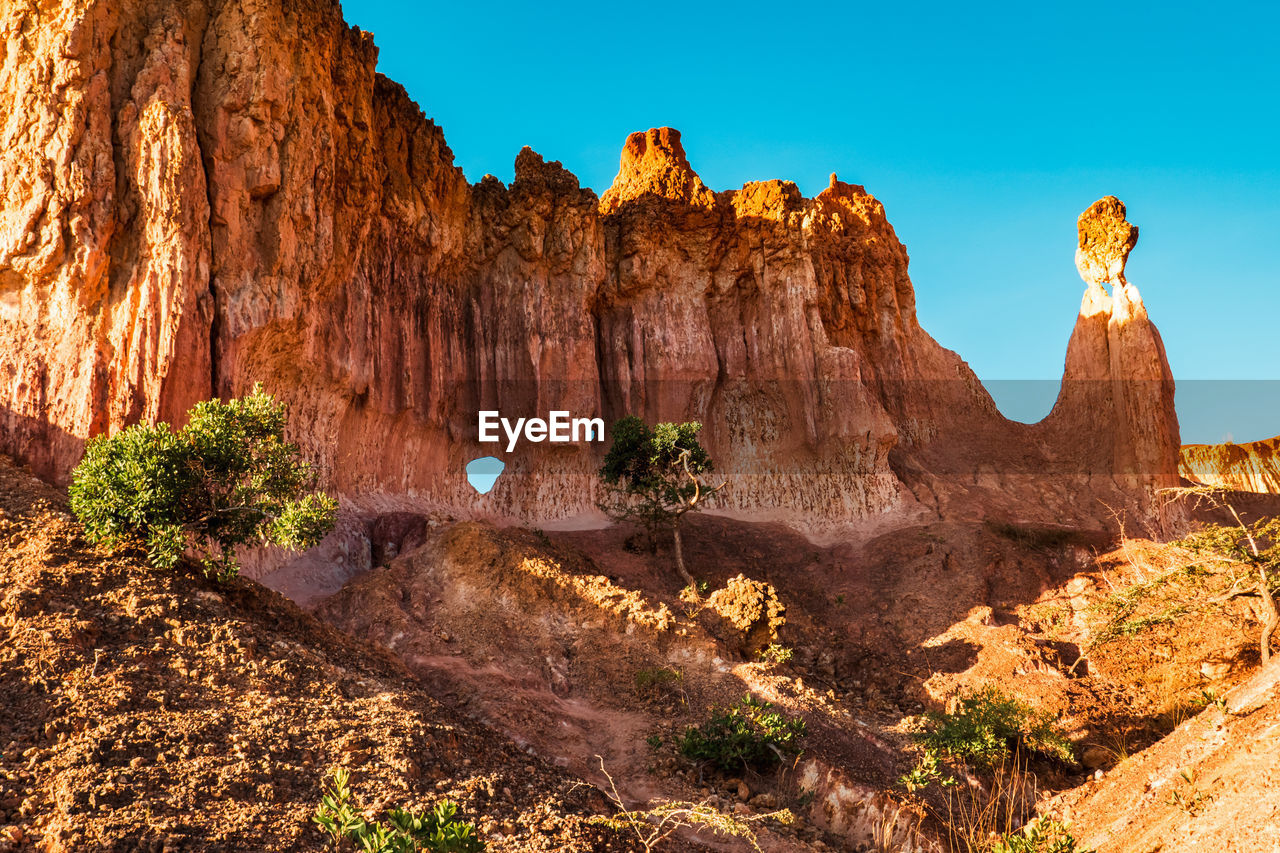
[[202, 195], [1250, 467]]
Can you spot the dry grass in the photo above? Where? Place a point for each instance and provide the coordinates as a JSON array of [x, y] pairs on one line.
[[977, 816], [897, 830], [1170, 622], [661, 819]]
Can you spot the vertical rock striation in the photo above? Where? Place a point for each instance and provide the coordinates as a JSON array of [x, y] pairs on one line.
[[203, 195], [104, 226], [1250, 467]]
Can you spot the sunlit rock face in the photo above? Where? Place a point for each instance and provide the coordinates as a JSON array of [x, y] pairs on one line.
[[200, 196], [105, 306], [1250, 467], [654, 163], [1106, 238]]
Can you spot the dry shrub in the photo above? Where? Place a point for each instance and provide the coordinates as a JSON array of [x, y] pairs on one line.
[[751, 608]]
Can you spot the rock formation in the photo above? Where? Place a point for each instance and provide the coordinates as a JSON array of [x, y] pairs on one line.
[[105, 305], [1116, 365], [200, 196], [1250, 467]]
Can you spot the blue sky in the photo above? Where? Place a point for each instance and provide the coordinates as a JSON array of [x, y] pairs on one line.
[[984, 129]]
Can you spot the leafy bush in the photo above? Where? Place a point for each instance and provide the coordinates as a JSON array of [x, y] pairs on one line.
[[995, 732], [405, 831], [227, 478], [750, 734], [1042, 835], [928, 769], [988, 725]]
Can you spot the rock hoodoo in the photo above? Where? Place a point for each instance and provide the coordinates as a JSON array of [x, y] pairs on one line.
[[1116, 365], [200, 196]]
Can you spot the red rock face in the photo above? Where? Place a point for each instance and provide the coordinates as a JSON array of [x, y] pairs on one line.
[[200, 196]]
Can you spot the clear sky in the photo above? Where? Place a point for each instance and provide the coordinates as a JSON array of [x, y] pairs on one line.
[[985, 129]]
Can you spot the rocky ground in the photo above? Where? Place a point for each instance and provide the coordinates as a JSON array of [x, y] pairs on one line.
[[149, 710], [556, 637], [1212, 784]]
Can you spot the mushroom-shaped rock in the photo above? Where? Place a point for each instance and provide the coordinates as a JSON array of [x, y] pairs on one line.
[[1117, 384], [1106, 238]]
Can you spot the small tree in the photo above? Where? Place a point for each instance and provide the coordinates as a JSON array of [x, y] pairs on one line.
[[227, 478], [653, 476], [1255, 546]]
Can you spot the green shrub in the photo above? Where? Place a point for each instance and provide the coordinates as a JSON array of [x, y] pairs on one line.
[[1042, 835], [227, 478], [654, 475], [928, 770], [988, 725], [774, 653], [986, 729], [749, 734], [405, 831], [658, 678]]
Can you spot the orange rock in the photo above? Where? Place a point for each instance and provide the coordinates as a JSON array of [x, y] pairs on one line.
[[1106, 238], [654, 163], [1117, 373], [198, 197], [104, 233], [1250, 467]]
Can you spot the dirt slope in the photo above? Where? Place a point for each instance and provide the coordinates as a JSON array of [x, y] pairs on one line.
[[153, 711], [1190, 762], [1212, 785], [553, 637], [532, 638], [146, 710]]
